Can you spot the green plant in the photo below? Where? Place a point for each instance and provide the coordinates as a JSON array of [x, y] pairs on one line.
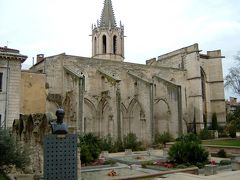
[[205, 134], [222, 132], [130, 142], [107, 144], [225, 162], [188, 149], [181, 166], [89, 147], [163, 138], [214, 122], [109, 161], [189, 138], [11, 152], [118, 146], [231, 128], [221, 153]]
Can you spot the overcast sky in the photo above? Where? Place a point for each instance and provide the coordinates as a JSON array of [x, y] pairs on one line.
[[152, 27]]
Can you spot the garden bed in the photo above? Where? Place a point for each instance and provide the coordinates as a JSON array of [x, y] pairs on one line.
[[107, 174], [136, 159]]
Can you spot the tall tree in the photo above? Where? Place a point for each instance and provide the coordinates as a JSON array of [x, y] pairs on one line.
[[232, 80]]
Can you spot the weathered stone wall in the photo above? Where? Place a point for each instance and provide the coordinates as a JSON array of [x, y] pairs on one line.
[[33, 93], [109, 97], [117, 98], [201, 70], [30, 130], [14, 86], [3, 99]]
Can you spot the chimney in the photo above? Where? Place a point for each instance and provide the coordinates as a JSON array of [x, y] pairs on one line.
[[40, 57]]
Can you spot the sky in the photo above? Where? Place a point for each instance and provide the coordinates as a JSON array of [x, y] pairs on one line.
[[152, 27]]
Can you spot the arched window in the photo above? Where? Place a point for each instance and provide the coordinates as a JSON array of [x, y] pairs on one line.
[[104, 44], [114, 44]]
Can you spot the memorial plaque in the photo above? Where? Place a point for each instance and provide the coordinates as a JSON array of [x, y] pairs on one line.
[[60, 157]]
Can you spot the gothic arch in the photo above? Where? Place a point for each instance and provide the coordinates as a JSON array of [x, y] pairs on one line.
[[124, 120], [104, 44], [136, 122], [133, 102], [115, 44], [89, 119], [105, 118], [162, 115]]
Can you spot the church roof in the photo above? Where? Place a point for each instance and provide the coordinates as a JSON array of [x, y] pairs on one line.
[[107, 17]]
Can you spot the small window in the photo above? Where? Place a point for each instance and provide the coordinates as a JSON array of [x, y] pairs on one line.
[[1, 81], [115, 44], [104, 43]]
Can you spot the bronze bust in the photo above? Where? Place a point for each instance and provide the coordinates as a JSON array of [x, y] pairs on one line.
[[59, 127]]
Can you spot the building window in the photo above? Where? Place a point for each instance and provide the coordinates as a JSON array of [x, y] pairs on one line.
[[114, 44], [104, 43], [95, 46], [1, 81]]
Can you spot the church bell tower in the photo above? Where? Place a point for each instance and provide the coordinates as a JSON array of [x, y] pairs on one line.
[[107, 38]]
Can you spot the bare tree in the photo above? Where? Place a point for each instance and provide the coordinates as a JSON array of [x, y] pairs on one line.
[[232, 80]]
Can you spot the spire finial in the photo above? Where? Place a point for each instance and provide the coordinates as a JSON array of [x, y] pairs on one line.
[[107, 17]]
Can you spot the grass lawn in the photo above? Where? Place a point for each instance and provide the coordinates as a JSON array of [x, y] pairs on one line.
[[226, 142]]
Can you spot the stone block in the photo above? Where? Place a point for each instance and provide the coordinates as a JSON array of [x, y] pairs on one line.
[[236, 163], [210, 169], [128, 152]]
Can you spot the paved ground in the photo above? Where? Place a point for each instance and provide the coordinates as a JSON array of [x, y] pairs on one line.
[[231, 175], [223, 175]]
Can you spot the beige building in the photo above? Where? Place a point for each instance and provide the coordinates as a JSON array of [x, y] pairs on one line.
[[232, 105], [10, 85], [33, 93], [105, 95]]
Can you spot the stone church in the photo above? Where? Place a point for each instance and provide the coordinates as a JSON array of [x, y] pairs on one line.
[[105, 95]]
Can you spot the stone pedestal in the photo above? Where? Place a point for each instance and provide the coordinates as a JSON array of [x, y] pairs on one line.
[[150, 151], [236, 163], [128, 152], [105, 154], [210, 170], [165, 152]]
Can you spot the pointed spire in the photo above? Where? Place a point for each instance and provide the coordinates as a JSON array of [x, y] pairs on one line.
[[108, 18]]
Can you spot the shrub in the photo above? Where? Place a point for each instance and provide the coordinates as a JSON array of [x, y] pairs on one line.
[[225, 162], [222, 132], [109, 161], [163, 138], [118, 146], [130, 142], [205, 134], [221, 153], [189, 138], [214, 122], [90, 147], [107, 144], [188, 149], [231, 128], [11, 152]]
